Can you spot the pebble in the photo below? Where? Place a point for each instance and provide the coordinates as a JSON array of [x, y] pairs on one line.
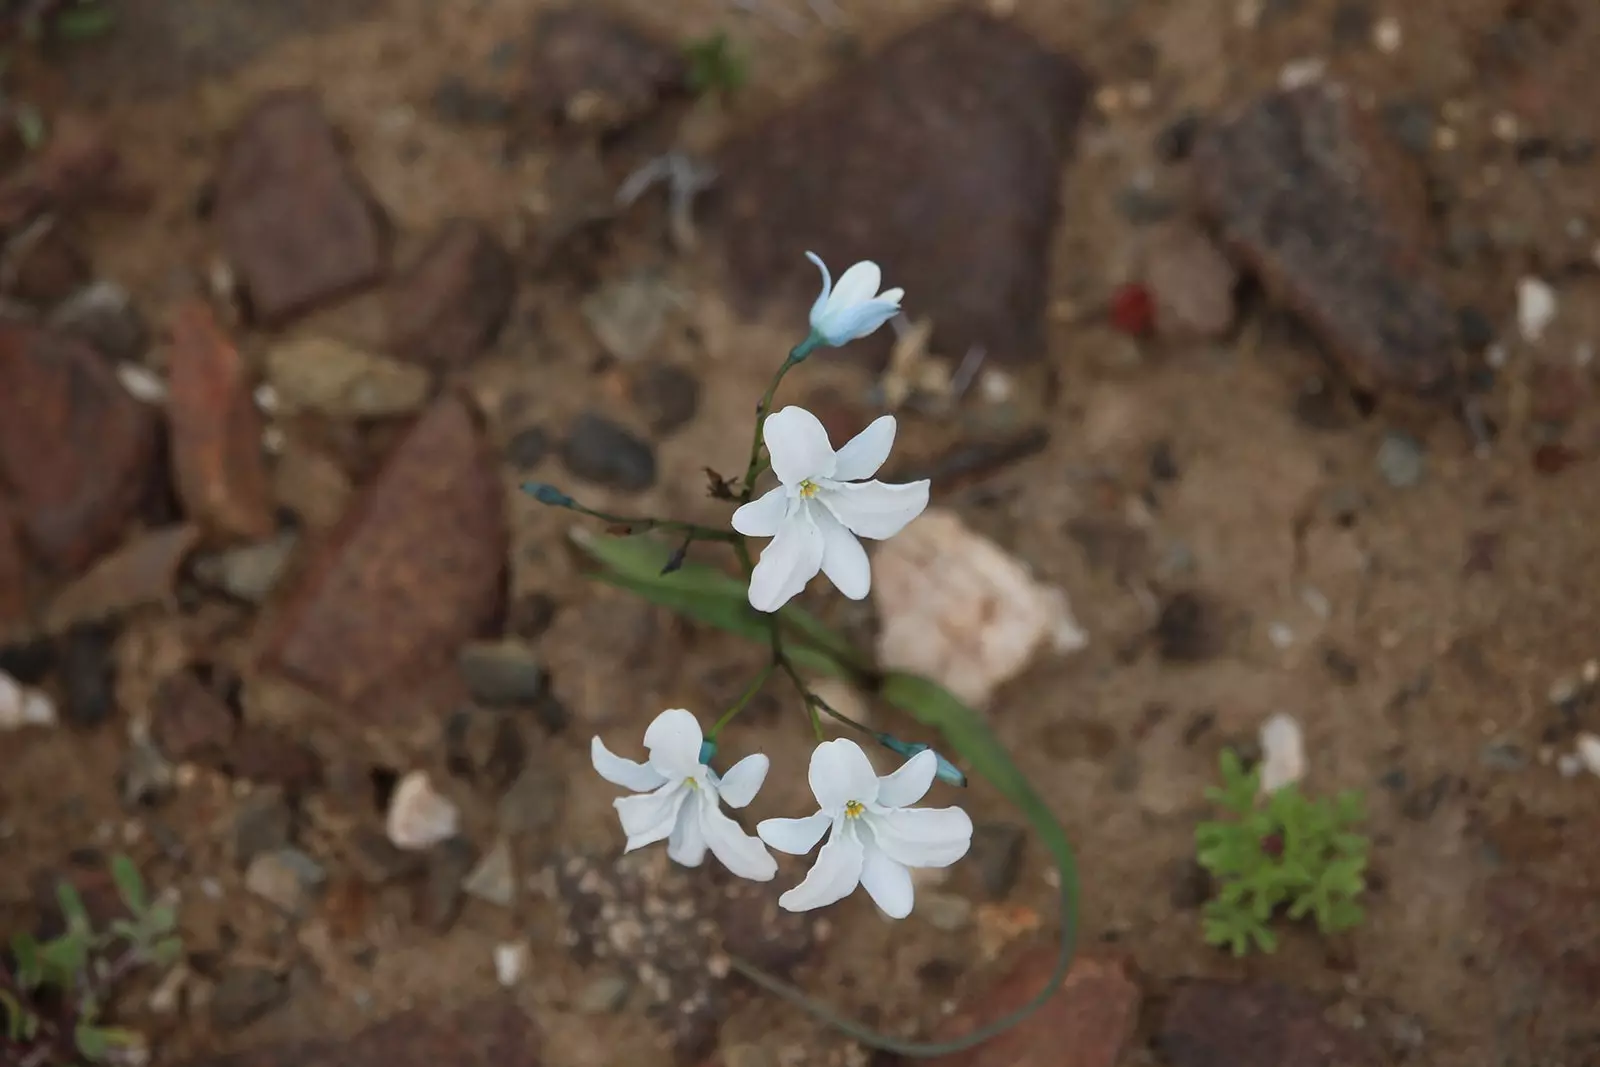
[[527, 448], [145, 777], [1536, 308], [494, 878], [104, 315], [1401, 460], [419, 817], [627, 315], [263, 824], [533, 801], [440, 896], [1503, 756], [1386, 35], [284, 879], [1283, 753], [599, 450], [327, 377], [510, 960], [20, 706], [603, 995], [376, 859], [1191, 283], [944, 911], [245, 994], [501, 674], [250, 572], [1588, 752]]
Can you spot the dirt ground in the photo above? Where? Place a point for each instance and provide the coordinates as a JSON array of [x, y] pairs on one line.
[[1420, 633]]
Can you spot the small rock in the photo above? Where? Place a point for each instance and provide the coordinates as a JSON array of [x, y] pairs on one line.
[[977, 626], [284, 879], [21, 707], [527, 448], [1334, 220], [1142, 205], [245, 994], [1191, 283], [501, 674], [600, 451], [145, 777], [534, 800], [438, 899], [419, 817], [327, 377], [1085, 1023], [1588, 750], [1190, 629], [1536, 308], [216, 430], [250, 572], [262, 824], [76, 451], [88, 675], [142, 573], [294, 222], [378, 862], [188, 720], [266, 756], [424, 550], [627, 314], [1283, 753], [962, 77], [1255, 1025], [494, 878], [1503, 756], [603, 995], [484, 746], [591, 72], [510, 960], [944, 911], [452, 302], [667, 396], [44, 264], [996, 851], [103, 315], [1401, 460]]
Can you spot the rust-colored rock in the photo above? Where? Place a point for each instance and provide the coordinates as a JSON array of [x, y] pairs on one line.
[[76, 451], [294, 221], [940, 158], [266, 756], [490, 1033], [1085, 1024], [216, 430], [452, 302], [413, 571], [592, 72], [1332, 217], [1221, 1024]]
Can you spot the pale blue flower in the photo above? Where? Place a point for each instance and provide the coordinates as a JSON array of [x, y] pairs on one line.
[[854, 308]]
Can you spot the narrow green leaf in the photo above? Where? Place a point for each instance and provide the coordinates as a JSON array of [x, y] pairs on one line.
[[161, 919], [63, 959], [15, 1014], [72, 909], [26, 952], [166, 952], [93, 1045], [130, 885]]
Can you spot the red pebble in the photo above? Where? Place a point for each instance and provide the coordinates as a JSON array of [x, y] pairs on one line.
[[1132, 310]]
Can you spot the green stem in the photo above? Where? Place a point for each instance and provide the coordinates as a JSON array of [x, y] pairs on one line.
[[797, 355], [638, 524], [738, 705]]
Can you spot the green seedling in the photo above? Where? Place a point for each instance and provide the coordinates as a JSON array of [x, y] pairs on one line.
[[53, 993], [715, 69], [1285, 851]]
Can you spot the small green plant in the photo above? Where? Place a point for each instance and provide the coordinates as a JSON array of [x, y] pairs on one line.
[[53, 993], [714, 67], [1284, 851]]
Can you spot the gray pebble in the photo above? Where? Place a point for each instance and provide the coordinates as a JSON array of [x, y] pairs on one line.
[[284, 878], [501, 674], [1401, 460], [604, 995], [262, 824], [494, 878], [244, 995], [439, 901], [600, 451], [249, 573]]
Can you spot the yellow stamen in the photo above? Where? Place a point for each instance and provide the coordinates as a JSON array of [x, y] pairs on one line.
[[853, 809], [808, 489], [691, 783]]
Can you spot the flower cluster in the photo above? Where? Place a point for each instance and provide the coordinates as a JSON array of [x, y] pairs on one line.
[[825, 502]]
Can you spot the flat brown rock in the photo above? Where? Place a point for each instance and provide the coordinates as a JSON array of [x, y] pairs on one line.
[[940, 158], [491, 1033], [294, 222], [449, 306], [76, 451], [1086, 1023], [1220, 1024], [412, 572], [216, 430], [1332, 217]]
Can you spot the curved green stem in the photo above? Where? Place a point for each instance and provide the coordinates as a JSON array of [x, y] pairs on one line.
[[739, 705], [797, 355]]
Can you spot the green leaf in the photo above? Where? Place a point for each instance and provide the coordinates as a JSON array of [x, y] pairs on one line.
[[93, 1044], [15, 1015], [63, 959], [26, 952], [84, 22], [130, 885], [72, 909], [166, 952], [159, 920]]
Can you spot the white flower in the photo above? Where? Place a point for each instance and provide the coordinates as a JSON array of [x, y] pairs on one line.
[[680, 798], [854, 308], [877, 837], [822, 506]]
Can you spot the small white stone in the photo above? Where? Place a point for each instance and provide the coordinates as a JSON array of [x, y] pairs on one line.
[[510, 959], [1589, 751], [1505, 126], [996, 386], [1299, 73], [1536, 308], [1569, 764], [21, 706], [419, 817], [266, 398], [1386, 35], [1280, 635], [1283, 753], [142, 383]]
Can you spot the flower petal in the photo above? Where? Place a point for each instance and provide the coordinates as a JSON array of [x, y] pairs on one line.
[[844, 561], [833, 877], [844, 325], [864, 453], [840, 772], [674, 743], [875, 510], [922, 837], [742, 854], [857, 285], [887, 882], [827, 288], [624, 772], [763, 516], [911, 782], [795, 836], [650, 817], [743, 780], [798, 445], [687, 845], [790, 560]]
